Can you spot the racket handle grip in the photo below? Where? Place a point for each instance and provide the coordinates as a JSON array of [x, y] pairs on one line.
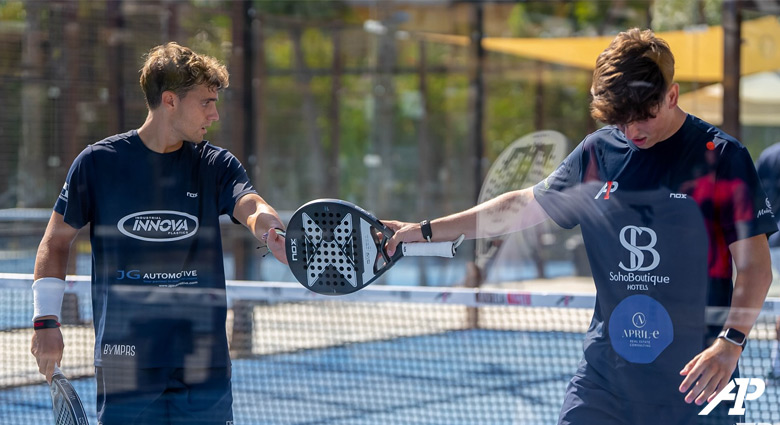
[[431, 249]]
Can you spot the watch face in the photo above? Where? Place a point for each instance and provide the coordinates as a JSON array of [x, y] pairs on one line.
[[734, 335]]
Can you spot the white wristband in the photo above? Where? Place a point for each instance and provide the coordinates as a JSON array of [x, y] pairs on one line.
[[47, 297]]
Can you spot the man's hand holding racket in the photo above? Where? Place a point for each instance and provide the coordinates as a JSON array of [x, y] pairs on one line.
[[404, 232], [516, 210], [274, 240], [47, 347], [413, 233]]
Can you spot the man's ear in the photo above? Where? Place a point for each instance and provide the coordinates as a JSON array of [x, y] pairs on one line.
[[673, 95], [169, 99]]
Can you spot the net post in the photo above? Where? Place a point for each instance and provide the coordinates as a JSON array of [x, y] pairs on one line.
[[69, 314], [473, 280], [241, 335]]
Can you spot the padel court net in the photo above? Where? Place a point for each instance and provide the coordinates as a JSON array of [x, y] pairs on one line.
[[383, 355]]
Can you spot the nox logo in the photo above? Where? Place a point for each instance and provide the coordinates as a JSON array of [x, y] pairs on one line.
[[294, 249], [630, 237], [738, 398], [608, 188]]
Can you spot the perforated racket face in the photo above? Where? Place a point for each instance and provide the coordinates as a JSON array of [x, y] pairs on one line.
[[522, 164], [332, 247], [66, 404]]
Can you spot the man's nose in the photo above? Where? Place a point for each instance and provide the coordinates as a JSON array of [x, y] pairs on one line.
[[630, 130]]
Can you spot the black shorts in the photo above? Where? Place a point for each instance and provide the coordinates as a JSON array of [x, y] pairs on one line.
[[588, 403], [164, 396]]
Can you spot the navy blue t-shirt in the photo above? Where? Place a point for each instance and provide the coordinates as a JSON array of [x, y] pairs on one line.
[[657, 224], [158, 282]]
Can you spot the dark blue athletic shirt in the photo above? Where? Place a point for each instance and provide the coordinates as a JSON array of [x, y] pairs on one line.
[[158, 284], [657, 224]]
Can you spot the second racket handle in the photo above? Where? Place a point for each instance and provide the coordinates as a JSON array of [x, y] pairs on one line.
[[431, 249]]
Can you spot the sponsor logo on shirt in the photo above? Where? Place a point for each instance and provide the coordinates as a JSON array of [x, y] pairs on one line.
[[167, 279], [119, 350], [608, 188], [158, 226], [643, 336], [767, 210], [629, 238], [64, 193], [640, 329], [642, 257]]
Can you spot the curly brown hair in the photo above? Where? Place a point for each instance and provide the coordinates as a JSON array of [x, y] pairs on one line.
[[172, 67], [631, 78]]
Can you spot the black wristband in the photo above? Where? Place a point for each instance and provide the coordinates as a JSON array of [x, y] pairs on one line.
[[45, 324], [425, 228]]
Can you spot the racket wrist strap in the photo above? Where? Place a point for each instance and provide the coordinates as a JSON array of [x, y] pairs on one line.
[[46, 324], [425, 228]]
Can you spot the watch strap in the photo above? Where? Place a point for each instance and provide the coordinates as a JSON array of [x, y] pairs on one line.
[[425, 228]]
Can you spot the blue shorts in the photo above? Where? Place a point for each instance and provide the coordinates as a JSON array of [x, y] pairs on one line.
[[588, 403], [164, 396]]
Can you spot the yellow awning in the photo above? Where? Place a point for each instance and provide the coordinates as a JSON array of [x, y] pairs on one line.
[[759, 101], [698, 53]]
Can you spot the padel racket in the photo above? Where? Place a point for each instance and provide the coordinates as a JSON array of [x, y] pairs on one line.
[[522, 164], [67, 406], [334, 247]]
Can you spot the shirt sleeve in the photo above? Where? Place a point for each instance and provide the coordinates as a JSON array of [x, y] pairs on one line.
[[75, 202], [557, 194], [233, 182], [742, 206], [768, 168]]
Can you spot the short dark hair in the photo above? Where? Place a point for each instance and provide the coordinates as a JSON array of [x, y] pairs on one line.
[[179, 69], [631, 78]]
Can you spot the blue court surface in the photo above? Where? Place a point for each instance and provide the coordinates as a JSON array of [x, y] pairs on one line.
[[452, 378]]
